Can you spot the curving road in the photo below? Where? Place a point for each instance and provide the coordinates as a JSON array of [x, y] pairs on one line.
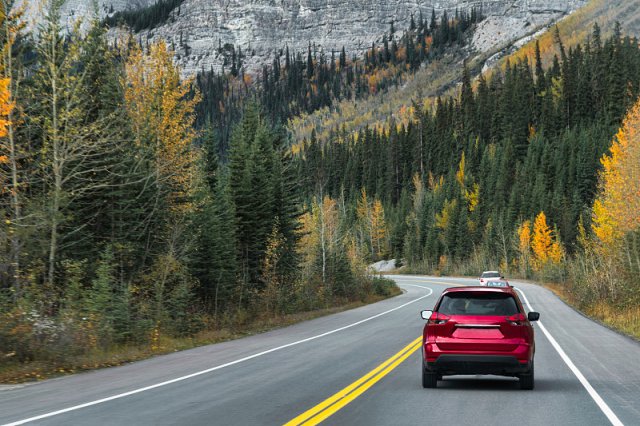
[[359, 367]]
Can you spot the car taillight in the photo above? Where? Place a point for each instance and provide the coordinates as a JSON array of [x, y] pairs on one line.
[[437, 318], [517, 319]]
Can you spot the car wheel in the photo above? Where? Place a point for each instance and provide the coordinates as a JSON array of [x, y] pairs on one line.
[[527, 380], [429, 380]]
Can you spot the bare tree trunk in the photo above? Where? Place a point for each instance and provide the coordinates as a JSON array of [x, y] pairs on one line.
[[57, 170], [323, 244], [15, 197], [421, 154]]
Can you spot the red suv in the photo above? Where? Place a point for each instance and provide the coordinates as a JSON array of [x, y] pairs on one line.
[[478, 330]]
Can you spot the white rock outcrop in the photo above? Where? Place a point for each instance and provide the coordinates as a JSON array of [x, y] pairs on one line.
[[72, 10], [263, 27]]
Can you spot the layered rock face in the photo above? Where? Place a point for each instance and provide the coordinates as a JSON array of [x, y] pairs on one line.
[[263, 27], [72, 10]]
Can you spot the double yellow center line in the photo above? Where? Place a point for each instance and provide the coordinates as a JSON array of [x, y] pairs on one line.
[[331, 405]]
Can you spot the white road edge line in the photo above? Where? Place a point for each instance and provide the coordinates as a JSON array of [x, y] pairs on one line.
[[592, 392], [209, 370]]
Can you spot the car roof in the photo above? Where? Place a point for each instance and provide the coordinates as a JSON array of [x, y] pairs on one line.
[[479, 289], [494, 272]]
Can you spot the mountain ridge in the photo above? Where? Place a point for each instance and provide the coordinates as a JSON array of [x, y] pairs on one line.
[[199, 29]]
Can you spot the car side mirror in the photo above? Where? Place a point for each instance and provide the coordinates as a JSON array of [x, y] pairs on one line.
[[533, 316], [426, 314]]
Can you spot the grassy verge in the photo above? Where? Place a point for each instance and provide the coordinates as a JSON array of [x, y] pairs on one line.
[[12, 372], [623, 320]]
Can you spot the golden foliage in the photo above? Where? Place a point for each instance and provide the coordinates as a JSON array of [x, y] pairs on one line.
[[162, 114], [544, 244], [362, 208], [541, 240], [473, 197], [443, 218], [460, 173], [6, 105], [378, 228], [524, 237], [616, 210]]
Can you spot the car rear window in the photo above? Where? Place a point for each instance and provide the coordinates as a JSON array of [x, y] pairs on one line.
[[463, 303], [490, 275]]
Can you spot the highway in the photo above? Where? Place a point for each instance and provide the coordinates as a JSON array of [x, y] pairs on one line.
[[358, 367]]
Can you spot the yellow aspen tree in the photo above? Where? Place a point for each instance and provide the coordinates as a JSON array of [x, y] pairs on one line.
[[362, 208], [556, 252], [546, 246], [378, 228], [473, 197], [443, 219], [161, 110], [541, 240], [162, 115], [6, 107], [524, 246], [460, 174], [616, 209]]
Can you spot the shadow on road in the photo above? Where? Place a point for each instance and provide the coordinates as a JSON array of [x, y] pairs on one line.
[[496, 383]]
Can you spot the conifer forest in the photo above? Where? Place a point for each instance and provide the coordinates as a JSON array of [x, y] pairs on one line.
[[140, 205]]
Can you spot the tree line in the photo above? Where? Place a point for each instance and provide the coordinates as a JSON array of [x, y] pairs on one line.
[[515, 154], [120, 225], [302, 82], [146, 18]]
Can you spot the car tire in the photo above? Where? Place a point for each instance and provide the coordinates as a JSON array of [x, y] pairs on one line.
[[527, 379], [429, 379]]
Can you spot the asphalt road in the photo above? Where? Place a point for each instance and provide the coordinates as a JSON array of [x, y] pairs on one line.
[[276, 376]]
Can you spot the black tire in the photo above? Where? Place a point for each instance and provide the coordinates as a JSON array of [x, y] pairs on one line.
[[429, 380], [527, 380]]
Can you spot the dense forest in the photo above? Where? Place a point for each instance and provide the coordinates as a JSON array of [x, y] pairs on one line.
[[299, 83], [139, 207], [527, 140], [502, 176], [119, 227]]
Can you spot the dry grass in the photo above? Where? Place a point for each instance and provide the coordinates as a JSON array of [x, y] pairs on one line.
[[14, 372], [623, 320]]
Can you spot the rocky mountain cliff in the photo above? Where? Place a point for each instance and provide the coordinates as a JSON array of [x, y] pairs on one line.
[[73, 10], [199, 28]]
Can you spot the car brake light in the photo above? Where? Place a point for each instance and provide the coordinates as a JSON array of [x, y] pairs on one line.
[[437, 318], [517, 319]]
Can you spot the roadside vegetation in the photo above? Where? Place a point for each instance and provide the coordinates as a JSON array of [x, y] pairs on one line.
[[509, 173], [123, 233], [143, 213]]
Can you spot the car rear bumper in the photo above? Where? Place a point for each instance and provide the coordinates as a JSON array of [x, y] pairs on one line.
[[478, 364]]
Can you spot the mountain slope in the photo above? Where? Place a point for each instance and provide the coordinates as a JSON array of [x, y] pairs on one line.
[[260, 28], [441, 77]]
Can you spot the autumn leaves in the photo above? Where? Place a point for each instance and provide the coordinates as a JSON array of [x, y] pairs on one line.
[[539, 246], [617, 207]]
